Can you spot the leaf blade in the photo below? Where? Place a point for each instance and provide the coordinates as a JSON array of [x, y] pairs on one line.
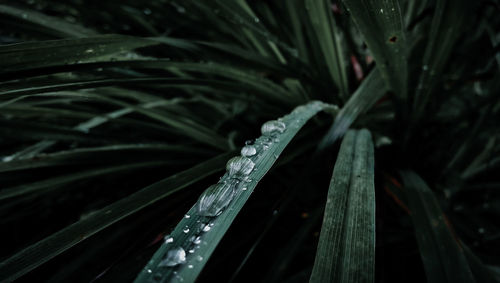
[[346, 248]]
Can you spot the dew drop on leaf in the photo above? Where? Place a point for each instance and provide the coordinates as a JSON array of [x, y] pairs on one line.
[[174, 257], [248, 150], [239, 166], [272, 127], [216, 198]]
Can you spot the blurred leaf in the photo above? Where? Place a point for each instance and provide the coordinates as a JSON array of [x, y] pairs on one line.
[[441, 253], [448, 22], [50, 25], [39, 253], [368, 93], [328, 38], [31, 55]]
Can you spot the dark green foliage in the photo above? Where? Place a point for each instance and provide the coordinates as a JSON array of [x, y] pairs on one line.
[[134, 107]]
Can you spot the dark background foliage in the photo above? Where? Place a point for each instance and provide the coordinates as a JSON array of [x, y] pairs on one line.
[[197, 79]]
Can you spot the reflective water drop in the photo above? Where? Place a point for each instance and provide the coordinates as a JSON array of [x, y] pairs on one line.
[[197, 241], [186, 230], [248, 150], [190, 266], [244, 189], [191, 251], [168, 239], [382, 11], [239, 166], [150, 271], [206, 228], [216, 198], [199, 258], [273, 127], [174, 257], [187, 216]]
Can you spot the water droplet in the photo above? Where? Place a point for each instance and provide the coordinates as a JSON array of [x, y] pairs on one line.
[[206, 228], [216, 198], [256, 20], [199, 258], [197, 240], [190, 266], [382, 11], [248, 150], [191, 251], [244, 188], [90, 50], [150, 271], [187, 216], [174, 257], [168, 239], [185, 230], [239, 165], [273, 127]]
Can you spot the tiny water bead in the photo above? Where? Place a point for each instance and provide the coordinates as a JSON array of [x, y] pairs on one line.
[[248, 150], [272, 127], [174, 257], [216, 198], [168, 239], [197, 240], [239, 166]]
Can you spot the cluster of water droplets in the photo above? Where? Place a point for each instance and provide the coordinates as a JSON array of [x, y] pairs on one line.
[[217, 197]]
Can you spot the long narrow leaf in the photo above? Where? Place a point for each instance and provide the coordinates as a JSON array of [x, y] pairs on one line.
[[443, 258], [367, 94], [39, 253], [382, 26], [188, 248], [329, 40], [346, 248]]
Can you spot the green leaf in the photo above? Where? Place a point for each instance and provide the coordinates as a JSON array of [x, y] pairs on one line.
[[44, 250], [197, 236], [91, 155], [46, 24], [448, 22], [50, 184], [368, 93], [346, 248], [328, 38], [441, 253], [30, 55], [382, 27]]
